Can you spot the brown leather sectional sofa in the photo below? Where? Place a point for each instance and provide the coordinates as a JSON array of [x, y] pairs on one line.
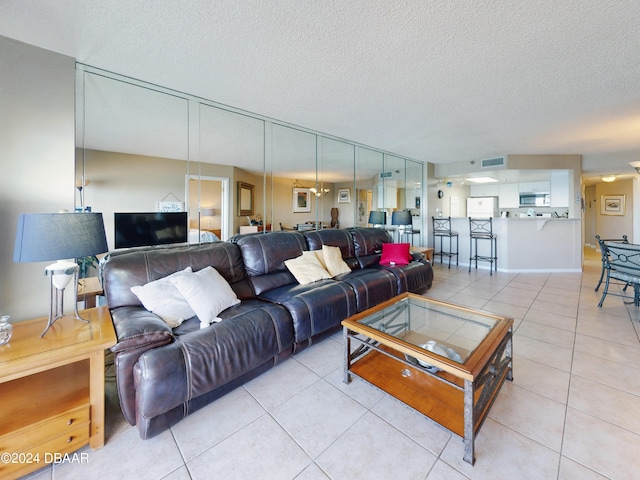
[[163, 374]]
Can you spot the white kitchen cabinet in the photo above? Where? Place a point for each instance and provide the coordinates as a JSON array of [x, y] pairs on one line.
[[509, 195], [387, 196], [534, 187], [559, 189], [484, 190]]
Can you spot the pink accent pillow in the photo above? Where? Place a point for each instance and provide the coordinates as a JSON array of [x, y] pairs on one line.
[[396, 253]]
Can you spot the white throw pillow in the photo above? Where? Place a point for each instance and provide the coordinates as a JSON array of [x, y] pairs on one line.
[[333, 261], [163, 298], [207, 293], [306, 268]]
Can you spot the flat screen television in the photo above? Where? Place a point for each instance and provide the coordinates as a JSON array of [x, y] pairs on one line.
[[148, 229]]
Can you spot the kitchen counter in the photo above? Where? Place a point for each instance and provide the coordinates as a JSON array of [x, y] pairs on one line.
[[531, 244]]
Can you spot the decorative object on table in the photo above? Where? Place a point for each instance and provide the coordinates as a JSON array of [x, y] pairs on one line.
[[438, 349], [170, 206], [334, 218], [612, 204], [6, 330], [377, 218], [57, 236], [86, 263], [344, 195]]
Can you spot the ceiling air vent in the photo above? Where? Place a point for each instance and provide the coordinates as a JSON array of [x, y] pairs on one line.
[[493, 162]]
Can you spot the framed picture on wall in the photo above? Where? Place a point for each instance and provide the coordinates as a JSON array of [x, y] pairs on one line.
[[612, 204], [245, 199], [301, 200], [344, 195]]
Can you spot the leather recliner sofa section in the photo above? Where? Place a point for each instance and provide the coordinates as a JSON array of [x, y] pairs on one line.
[[163, 374]]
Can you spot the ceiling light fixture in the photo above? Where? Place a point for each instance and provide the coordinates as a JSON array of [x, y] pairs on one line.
[[481, 180], [608, 178], [315, 190]]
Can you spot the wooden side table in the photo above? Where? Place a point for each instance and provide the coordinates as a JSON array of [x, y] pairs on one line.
[[88, 289], [52, 390], [426, 251]]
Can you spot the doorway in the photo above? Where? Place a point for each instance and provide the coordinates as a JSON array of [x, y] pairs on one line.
[[208, 205]]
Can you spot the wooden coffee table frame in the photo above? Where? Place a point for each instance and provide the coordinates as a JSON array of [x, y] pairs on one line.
[[458, 397]]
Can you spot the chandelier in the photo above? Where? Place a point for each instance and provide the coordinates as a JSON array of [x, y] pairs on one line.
[[317, 190]]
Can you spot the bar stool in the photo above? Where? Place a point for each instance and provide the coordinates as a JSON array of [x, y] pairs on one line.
[[482, 229], [442, 229]]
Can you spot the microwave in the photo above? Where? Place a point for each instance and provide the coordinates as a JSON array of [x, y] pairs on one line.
[[535, 199]]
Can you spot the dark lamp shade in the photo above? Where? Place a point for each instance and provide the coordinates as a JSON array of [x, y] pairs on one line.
[[43, 237], [377, 218], [401, 217]]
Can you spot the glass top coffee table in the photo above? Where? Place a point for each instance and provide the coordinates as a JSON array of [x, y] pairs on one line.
[[446, 361]]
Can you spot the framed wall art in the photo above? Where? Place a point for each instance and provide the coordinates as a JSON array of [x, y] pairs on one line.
[[245, 199], [301, 200], [612, 204], [344, 195]]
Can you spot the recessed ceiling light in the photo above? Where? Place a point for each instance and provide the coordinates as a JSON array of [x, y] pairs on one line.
[[481, 180], [608, 178]]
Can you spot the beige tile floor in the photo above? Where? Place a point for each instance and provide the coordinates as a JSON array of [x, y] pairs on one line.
[[572, 411]]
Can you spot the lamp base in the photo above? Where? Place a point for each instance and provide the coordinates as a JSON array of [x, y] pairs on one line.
[[60, 273]]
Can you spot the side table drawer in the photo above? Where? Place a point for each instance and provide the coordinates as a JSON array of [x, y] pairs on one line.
[[37, 433], [32, 459]]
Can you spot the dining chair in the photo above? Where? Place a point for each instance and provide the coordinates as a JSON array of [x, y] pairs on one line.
[[622, 263], [603, 251]]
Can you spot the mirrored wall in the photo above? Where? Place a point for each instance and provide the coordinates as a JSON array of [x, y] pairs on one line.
[[144, 148]]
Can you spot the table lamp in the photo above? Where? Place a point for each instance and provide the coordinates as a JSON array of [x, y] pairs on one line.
[[377, 218], [402, 218], [208, 212], [58, 236]]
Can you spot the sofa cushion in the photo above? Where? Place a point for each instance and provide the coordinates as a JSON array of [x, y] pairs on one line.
[[207, 293], [316, 239], [333, 262], [306, 268], [370, 285], [163, 298], [368, 245], [206, 359], [264, 256], [395, 254], [122, 270], [415, 277], [315, 307]]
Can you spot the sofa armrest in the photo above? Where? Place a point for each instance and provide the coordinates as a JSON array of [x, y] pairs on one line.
[[417, 256], [137, 330]]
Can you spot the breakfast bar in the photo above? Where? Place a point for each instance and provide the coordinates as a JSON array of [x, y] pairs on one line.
[[529, 244]]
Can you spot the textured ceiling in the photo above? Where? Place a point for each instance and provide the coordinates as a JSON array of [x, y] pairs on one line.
[[437, 81]]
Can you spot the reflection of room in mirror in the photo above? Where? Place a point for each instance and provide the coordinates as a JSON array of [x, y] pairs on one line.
[[160, 135]]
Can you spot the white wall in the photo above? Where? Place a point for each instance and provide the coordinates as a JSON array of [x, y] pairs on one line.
[[614, 226], [37, 157]]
